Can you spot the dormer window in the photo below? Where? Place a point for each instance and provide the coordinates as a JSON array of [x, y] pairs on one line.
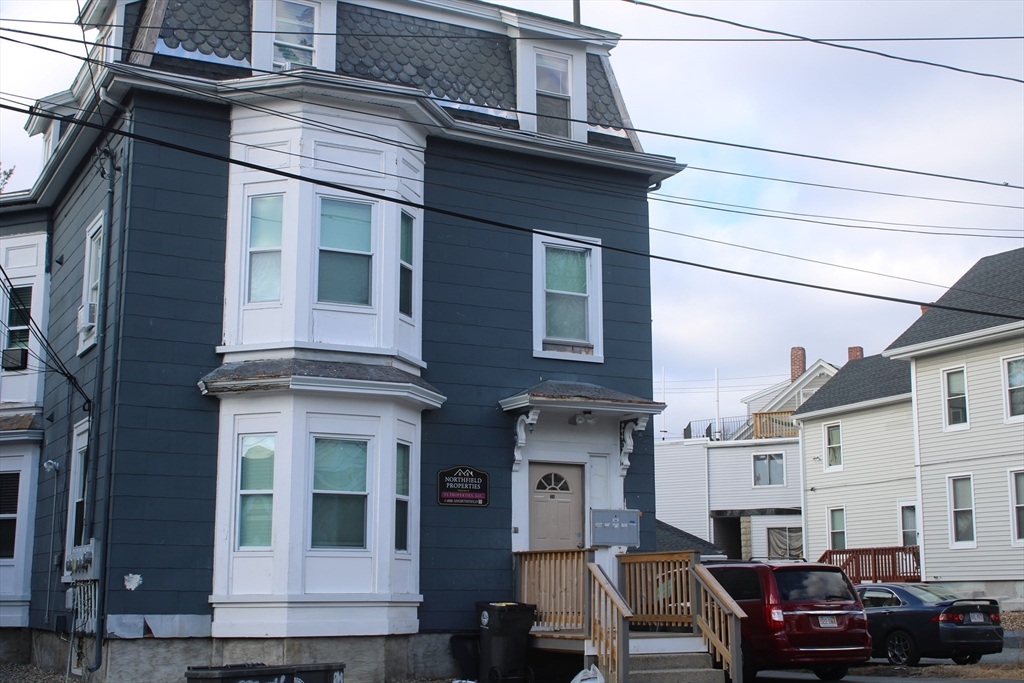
[[295, 31], [553, 90]]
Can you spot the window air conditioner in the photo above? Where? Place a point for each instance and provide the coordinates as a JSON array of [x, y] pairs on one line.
[[15, 359], [86, 316]]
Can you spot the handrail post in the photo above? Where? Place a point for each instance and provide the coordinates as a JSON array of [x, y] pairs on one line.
[[517, 577], [735, 649], [623, 647]]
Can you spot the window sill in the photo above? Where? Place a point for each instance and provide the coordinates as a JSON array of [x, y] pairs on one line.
[[565, 355], [1013, 420], [972, 545], [755, 487], [837, 468], [85, 345], [957, 428]]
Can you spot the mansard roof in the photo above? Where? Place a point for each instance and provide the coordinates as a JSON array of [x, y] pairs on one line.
[[995, 283], [861, 380]]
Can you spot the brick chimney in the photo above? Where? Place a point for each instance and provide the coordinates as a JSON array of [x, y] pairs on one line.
[[854, 352], [924, 309], [797, 362]]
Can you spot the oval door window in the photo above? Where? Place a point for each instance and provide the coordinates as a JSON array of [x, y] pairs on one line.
[[553, 481]]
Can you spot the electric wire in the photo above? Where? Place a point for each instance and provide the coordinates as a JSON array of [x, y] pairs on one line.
[[819, 41], [500, 224], [677, 136]]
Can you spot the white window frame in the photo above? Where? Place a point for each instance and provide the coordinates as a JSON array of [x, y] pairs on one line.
[[953, 543], [369, 540], [77, 463], [264, 25], [966, 424], [376, 218], [753, 470], [16, 537], [828, 526], [407, 497], [900, 505], [409, 266], [1016, 531], [1004, 364], [93, 253], [825, 446], [281, 66], [9, 327], [595, 297], [238, 493], [248, 250], [567, 97]]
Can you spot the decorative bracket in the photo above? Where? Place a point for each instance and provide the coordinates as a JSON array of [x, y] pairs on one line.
[[626, 430], [522, 421]]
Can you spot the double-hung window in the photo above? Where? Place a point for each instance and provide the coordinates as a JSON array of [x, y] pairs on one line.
[[266, 217], [954, 394], [76, 487], [87, 313], [1013, 369], [837, 528], [833, 446], [405, 279], [553, 100], [339, 493], [961, 511], [1017, 506], [908, 525], [769, 469], [256, 491], [402, 497], [567, 298], [19, 306], [9, 484], [294, 34], [345, 265]]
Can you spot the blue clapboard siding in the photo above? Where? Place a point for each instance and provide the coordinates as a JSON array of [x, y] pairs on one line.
[[477, 342], [165, 439]]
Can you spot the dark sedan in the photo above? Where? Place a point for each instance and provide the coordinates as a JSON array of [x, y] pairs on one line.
[[908, 621]]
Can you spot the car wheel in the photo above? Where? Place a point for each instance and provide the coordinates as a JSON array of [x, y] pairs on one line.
[[901, 649], [966, 659], [831, 672]]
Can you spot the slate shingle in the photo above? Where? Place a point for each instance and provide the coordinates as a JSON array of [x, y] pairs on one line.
[[995, 283], [219, 27], [602, 109], [668, 537], [863, 379], [446, 61]]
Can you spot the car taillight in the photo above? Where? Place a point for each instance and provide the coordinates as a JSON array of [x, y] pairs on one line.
[[773, 617], [994, 617], [947, 616]]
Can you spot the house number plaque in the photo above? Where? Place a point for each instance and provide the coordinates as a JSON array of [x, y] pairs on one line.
[[463, 485]]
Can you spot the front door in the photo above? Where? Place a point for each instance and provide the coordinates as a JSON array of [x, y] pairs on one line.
[[556, 506]]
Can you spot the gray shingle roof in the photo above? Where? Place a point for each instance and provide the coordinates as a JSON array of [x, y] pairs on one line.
[[863, 379], [668, 537], [995, 283], [220, 27], [582, 390], [446, 61], [283, 368], [602, 109]]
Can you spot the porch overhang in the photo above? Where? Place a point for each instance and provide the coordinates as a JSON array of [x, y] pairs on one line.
[[581, 396]]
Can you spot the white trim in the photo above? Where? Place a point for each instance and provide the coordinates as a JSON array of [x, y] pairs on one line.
[[306, 350], [76, 479], [829, 529], [1016, 534], [917, 466], [850, 407], [1004, 363], [87, 336], [376, 230], [900, 504], [264, 35], [773, 441], [825, 467], [989, 334], [943, 375], [753, 477], [595, 296], [953, 543], [370, 485], [412, 392]]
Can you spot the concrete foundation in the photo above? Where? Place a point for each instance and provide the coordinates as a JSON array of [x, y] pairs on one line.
[[368, 659], [15, 646]]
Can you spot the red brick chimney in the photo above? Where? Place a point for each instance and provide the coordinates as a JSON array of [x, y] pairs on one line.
[[854, 352], [797, 362], [924, 309]]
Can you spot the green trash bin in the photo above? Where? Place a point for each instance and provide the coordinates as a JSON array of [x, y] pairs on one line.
[[504, 639]]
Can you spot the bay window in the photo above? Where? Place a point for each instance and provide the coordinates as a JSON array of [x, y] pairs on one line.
[[256, 491], [345, 262], [265, 227], [339, 493], [405, 279], [402, 498]]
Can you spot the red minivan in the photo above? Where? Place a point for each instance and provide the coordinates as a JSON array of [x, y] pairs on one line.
[[799, 615]]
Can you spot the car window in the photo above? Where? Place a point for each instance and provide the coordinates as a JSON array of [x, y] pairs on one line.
[[740, 583], [928, 594], [813, 584], [878, 597]]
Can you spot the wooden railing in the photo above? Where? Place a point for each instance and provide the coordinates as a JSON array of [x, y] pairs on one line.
[[770, 425], [609, 626], [656, 586], [717, 617], [893, 563], [555, 581]]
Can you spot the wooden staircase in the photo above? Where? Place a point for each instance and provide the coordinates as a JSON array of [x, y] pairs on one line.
[[670, 658]]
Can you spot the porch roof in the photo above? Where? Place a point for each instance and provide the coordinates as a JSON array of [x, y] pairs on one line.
[[580, 396]]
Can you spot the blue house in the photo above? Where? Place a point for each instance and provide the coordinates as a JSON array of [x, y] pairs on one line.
[[346, 304]]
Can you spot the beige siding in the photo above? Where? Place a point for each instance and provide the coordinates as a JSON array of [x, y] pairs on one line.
[[679, 485], [987, 450], [731, 476], [877, 474]]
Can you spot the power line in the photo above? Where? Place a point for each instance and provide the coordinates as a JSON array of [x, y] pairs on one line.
[[676, 136], [495, 223], [819, 41]]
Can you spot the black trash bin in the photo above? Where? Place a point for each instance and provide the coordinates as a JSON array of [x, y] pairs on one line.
[[504, 637], [466, 651], [333, 672]]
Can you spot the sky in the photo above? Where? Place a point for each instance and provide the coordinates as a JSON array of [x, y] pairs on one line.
[[792, 96]]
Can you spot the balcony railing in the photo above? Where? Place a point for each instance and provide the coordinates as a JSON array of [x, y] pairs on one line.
[[756, 426], [893, 563], [773, 425]]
